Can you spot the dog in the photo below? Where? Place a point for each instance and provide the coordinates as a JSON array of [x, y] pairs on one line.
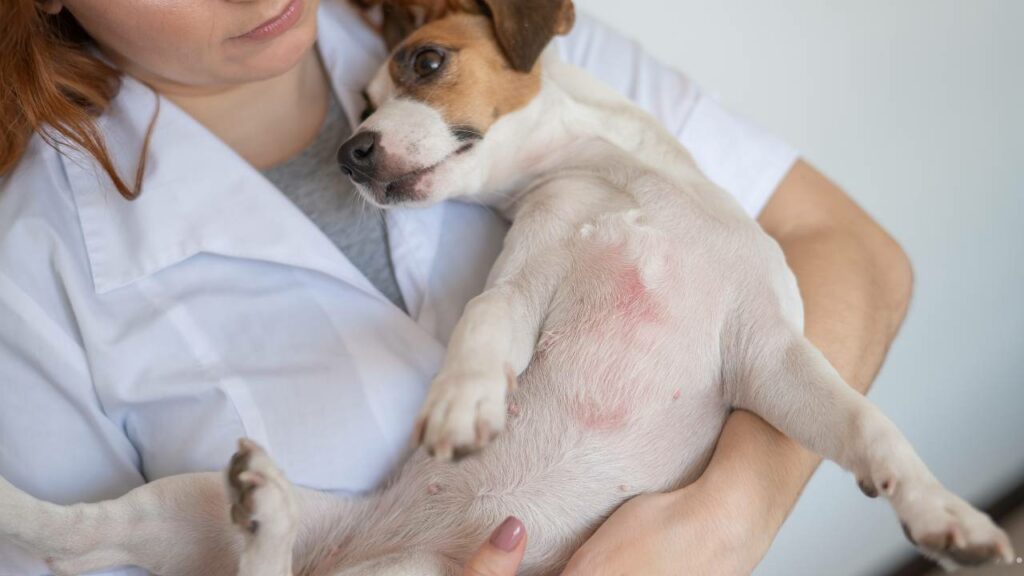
[[633, 306]]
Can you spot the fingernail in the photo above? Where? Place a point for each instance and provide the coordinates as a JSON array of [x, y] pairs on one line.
[[508, 535]]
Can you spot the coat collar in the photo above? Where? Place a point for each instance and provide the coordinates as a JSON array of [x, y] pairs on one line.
[[199, 195]]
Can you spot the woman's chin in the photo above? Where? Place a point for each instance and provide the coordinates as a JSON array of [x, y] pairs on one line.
[[255, 63]]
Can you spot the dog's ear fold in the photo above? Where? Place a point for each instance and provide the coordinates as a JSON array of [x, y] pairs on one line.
[[398, 22], [525, 27], [400, 18]]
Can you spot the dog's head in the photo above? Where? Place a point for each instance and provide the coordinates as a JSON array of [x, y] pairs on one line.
[[457, 68]]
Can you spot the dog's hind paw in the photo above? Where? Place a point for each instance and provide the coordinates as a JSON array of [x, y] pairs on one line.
[[262, 502], [948, 529]]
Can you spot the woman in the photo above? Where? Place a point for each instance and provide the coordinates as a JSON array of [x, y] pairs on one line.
[[182, 264]]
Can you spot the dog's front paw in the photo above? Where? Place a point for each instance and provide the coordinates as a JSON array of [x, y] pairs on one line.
[[463, 412], [261, 497], [948, 529]]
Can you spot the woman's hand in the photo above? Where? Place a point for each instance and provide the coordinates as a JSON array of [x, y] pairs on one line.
[[694, 531], [501, 555], [699, 530]]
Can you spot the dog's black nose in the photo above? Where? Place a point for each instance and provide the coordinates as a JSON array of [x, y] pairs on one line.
[[358, 156]]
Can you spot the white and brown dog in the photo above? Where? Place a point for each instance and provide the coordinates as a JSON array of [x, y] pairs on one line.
[[635, 304]]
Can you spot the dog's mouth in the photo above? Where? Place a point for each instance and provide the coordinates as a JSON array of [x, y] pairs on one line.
[[403, 188]]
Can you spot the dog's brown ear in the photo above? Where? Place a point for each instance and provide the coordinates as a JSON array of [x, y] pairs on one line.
[[398, 22], [400, 18], [525, 27]]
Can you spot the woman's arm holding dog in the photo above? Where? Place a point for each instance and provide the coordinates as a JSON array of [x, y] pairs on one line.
[[856, 284]]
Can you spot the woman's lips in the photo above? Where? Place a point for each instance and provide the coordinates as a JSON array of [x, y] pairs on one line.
[[276, 25]]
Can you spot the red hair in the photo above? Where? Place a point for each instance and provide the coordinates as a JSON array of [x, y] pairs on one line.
[[52, 84]]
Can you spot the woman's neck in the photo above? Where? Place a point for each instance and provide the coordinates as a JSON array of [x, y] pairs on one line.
[[265, 122]]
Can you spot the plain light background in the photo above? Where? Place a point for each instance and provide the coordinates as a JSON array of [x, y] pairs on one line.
[[915, 107]]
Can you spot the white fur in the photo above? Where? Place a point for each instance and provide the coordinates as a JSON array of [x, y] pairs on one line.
[[637, 305]]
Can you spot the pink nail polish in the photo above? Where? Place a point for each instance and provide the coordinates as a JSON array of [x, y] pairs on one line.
[[508, 535]]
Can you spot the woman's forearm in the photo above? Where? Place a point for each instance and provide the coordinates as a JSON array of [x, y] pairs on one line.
[[855, 283]]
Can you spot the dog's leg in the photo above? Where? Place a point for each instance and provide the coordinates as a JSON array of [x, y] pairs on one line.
[[185, 525], [174, 527], [774, 371], [263, 506], [496, 336]]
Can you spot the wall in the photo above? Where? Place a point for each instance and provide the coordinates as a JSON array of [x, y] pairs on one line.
[[916, 107]]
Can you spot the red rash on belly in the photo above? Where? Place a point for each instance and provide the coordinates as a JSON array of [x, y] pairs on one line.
[[594, 415], [631, 296], [633, 299], [614, 325]]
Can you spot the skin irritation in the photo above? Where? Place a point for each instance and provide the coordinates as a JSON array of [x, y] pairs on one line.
[[476, 86]]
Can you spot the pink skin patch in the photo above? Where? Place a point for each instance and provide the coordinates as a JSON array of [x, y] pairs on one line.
[[633, 299], [622, 314], [434, 489], [593, 415], [677, 395], [513, 409]]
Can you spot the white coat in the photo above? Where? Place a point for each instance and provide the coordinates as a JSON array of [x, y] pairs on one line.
[[142, 339]]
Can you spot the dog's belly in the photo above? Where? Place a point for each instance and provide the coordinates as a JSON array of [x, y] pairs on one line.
[[631, 337], [623, 397], [627, 374]]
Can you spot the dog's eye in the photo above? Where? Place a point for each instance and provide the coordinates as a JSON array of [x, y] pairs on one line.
[[427, 62]]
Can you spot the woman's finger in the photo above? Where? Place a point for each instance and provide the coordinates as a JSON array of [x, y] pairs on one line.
[[501, 555]]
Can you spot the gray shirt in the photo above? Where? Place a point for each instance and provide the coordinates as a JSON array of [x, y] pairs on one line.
[[314, 183]]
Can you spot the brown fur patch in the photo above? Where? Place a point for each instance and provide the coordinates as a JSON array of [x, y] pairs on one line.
[[399, 18], [524, 27], [475, 87]]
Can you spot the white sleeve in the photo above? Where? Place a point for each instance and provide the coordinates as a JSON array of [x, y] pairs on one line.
[[744, 160], [55, 441]]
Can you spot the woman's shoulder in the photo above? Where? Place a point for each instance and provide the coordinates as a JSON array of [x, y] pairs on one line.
[[38, 215], [37, 188]]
